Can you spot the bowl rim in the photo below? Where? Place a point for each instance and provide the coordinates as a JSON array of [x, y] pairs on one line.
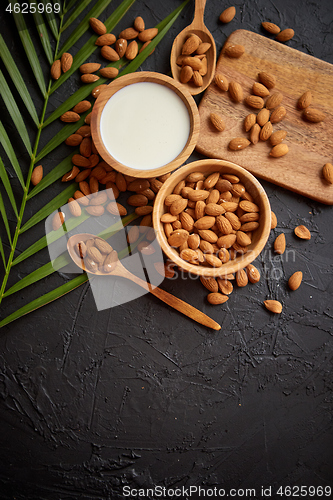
[[137, 77], [233, 265]]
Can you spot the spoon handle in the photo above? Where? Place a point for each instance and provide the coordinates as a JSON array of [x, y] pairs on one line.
[[172, 301], [198, 19]]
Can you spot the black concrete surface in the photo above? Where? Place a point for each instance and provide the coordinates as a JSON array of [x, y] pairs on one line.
[[95, 404]]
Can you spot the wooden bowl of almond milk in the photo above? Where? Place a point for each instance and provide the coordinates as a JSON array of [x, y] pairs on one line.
[[145, 124]]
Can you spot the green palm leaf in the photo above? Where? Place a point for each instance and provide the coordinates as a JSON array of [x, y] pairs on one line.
[[7, 146], [2, 253], [57, 202], [51, 20], [43, 35], [5, 219], [14, 112], [40, 273], [90, 46], [55, 174], [17, 79], [84, 25], [46, 299], [80, 8], [6, 183], [70, 5], [30, 51]]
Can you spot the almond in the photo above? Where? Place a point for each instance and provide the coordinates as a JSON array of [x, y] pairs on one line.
[[116, 208], [70, 117], [249, 226], [198, 195], [56, 69], [58, 220], [107, 39], [82, 107], [279, 150], [66, 61], [262, 117], [234, 50], [280, 244], [271, 27], [194, 62], [109, 72], [203, 48], [267, 79], [225, 286], [295, 280], [84, 131], [217, 298], [89, 78], [223, 225], [274, 100], [241, 278], [96, 210], [137, 200], [249, 121], [144, 46], [121, 46], [80, 161], [37, 175], [103, 246], [132, 50], [208, 235], [147, 35], [110, 261], [186, 74], [266, 131], [188, 254], [328, 172], [178, 206], [205, 222], [178, 237], [212, 260], [285, 35], [248, 206], [254, 101], [210, 283], [204, 66], [98, 90], [197, 78], [141, 211], [243, 239], [139, 24], [214, 209], [69, 176], [305, 100], [221, 81], [255, 133], [226, 241], [109, 53], [273, 220], [187, 222], [227, 15], [217, 121], [260, 89], [253, 273], [97, 26], [313, 115], [277, 137], [238, 143], [274, 306], [302, 232], [89, 67], [278, 114], [193, 241], [235, 91], [94, 254], [128, 34], [74, 207], [234, 220]]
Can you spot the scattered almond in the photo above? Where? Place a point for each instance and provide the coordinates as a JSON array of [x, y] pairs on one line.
[[249, 121], [267, 79], [255, 133], [313, 115], [234, 50], [139, 24], [227, 15], [221, 81], [128, 34], [274, 100], [277, 137], [56, 69], [305, 100], [266, 131], [285, 35], [217, 298], [238, 143], [255, 101], [147, 34], [66, 61], [109, 53], [132, 50], [295, 280], [328, 172], [302, 232], [235, 91], [82, 107], [217, 121], [109, 72], [280, 244], [58, 220], [70, 117], [107, 39], [97, 26], [271, 27], [279, 150], [274, 306], [37, 175], [260, 89], [278, 114]]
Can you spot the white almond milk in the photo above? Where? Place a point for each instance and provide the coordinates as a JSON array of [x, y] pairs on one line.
[[145, 125]]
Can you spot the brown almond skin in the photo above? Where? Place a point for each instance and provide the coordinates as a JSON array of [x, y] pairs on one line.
[[37, 175], [132, 50], [109, 72], [89, 67], [128, 34], [238, 143], [70, 117], [280, 244], [121, 46], [272, 28], [255, 133], [235, 91], [217, 298], [260, 89], [97, 26], [217, 121], [278, 114], [279, 150], [82, 107], [254, 101], [295, 280], [107, 39], [221, 81], [267, 79], [302, 232], [89, 78], [262, 117], [274, 100], [74, 140], [285, 35], [277, 137], [139, 24], [249, 121], [227, 15], [274, 306], [305, 100], [56, 69], [313, 115], [266, 131], [66, 61], [109, 53], [147, 35], [328, 172], [186, 74], [234, 50]]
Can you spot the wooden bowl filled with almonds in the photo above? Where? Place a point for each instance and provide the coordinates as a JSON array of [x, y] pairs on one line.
[[212, 217]]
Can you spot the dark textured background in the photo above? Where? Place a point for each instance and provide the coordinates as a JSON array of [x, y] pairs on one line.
[[140, 395]]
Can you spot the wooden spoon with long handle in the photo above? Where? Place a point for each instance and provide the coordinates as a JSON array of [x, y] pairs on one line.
[[197, 27], [118, 269]]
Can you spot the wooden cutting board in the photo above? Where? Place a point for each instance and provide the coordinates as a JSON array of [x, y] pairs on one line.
[[310, 144]]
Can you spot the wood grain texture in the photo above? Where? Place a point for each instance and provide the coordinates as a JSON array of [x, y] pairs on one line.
[[145, 76], [310, 144]]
